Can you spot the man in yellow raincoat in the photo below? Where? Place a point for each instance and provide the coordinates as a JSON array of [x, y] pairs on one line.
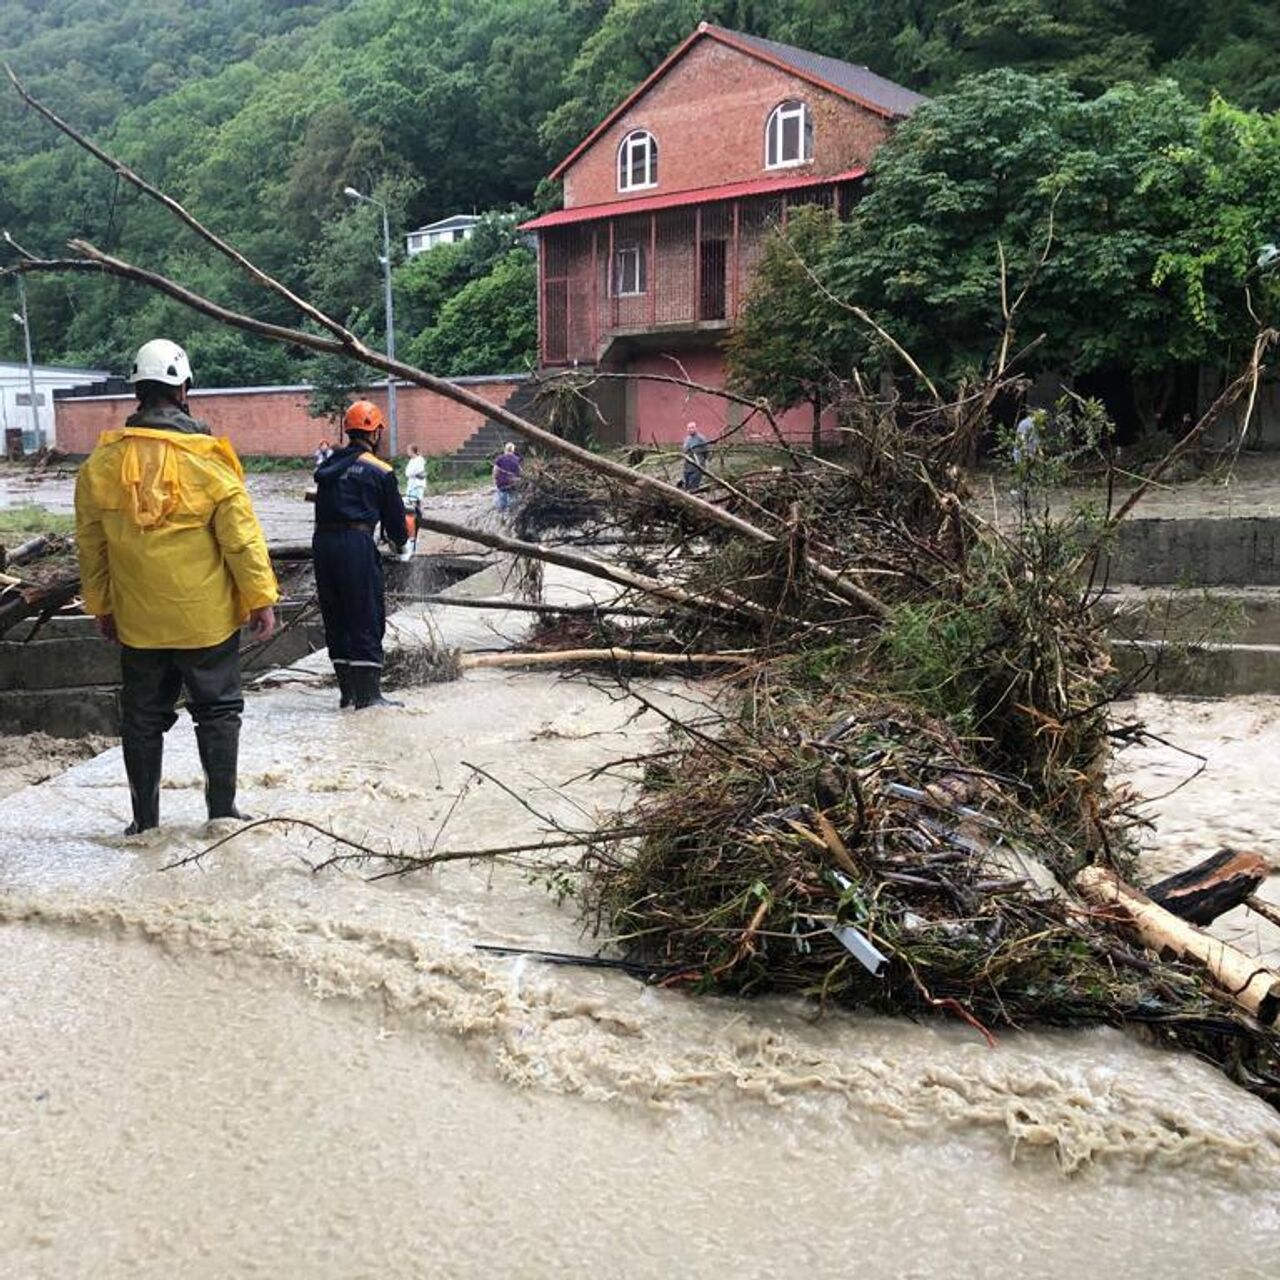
[[172, 564]]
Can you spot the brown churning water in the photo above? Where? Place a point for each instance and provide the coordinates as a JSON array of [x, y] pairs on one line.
[[249, 1070]]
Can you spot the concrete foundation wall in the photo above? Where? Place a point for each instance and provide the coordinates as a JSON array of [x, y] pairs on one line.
[[1264, 421], [65, 681]]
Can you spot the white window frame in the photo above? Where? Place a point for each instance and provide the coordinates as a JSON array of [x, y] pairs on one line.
[[638, 140], [629, 258], [774, 132]]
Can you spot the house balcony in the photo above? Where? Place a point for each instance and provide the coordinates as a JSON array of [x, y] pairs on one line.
[[662, 271]]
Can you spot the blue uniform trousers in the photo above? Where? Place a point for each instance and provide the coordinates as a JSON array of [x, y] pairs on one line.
[[349, 585]]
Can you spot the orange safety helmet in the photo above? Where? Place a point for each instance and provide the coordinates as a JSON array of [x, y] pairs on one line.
[[364, 415]]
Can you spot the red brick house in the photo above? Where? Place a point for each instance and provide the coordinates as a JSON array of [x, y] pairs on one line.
[[668, 201]]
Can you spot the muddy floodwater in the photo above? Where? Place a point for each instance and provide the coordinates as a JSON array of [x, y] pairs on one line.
[[242, 1068]]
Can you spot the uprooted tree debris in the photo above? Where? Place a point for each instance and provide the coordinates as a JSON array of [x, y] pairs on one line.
[[896, 793], [906, 807]]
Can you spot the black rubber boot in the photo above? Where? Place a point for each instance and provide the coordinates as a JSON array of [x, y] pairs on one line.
[[345, 688], [219, 744], [368, 688], [143, 761]]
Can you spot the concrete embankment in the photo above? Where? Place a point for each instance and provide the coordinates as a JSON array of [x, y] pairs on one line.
[[63, 679], [1195, 603]]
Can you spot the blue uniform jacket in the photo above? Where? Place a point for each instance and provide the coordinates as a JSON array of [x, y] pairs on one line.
[[355, 487]]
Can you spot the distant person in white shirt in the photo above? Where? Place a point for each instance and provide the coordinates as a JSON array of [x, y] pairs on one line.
[[415, 474], [1026, 439]]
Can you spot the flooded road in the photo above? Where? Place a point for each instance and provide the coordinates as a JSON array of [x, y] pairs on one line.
[[278, 498], [243, 1068]]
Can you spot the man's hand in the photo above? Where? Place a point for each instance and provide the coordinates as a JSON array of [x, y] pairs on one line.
[[107, 627], [262, 623]]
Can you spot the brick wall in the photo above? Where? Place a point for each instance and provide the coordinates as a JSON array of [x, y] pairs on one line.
[[708, 114], [275, 421]]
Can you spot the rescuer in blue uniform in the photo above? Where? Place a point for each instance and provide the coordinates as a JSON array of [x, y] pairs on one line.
[[356, 491]]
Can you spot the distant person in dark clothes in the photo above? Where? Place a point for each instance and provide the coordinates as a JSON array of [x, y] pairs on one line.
[[506, 476], [697, 453], [323, 453]]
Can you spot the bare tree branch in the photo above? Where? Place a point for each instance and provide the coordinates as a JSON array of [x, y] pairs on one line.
[[94, 261], [121, 169], [585, 564]]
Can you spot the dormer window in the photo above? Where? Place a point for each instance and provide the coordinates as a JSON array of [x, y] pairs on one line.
[[638, 161], [788, 137]]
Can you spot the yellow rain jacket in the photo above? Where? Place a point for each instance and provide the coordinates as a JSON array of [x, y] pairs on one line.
[[168, 541]]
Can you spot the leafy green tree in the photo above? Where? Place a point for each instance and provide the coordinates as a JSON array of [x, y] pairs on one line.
[[1019, 167], [334, 382], [1224, 197], [778, 349], [488, 326], [428, 280], [1128, 224]]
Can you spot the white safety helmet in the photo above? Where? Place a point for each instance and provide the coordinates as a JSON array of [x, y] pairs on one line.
[[161, 361]]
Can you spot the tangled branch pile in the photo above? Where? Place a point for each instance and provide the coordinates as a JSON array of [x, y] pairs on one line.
[[889, 809]]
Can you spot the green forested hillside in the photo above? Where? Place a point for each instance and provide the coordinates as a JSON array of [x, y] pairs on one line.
[[259, 112]]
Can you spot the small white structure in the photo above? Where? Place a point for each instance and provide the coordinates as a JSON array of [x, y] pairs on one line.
[[447, 231], [15, 401]]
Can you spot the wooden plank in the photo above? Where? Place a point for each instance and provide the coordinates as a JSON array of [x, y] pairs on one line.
[[1212, 887]]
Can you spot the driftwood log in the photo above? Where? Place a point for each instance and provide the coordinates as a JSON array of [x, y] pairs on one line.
[[634, 657], [26, 602], [608, 572], [1267, 910], [546, 610], [1242, 978], [33, 548], [1213, 887]]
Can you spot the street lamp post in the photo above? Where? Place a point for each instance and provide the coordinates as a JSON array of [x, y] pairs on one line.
[[352, 194], [21, 318]]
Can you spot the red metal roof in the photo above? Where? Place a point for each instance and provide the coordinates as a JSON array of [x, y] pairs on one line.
[[855, 83], [675, 199]]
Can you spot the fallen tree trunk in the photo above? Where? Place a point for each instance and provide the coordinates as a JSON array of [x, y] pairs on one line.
[[1243, 978], [1267, 910], [640, 657], [1211, 888]]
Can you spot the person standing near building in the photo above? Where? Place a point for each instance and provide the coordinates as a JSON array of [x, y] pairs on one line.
[[172, 564], [415, 475], [355, 492], [1026, 437], [506, 476], [697, 453]]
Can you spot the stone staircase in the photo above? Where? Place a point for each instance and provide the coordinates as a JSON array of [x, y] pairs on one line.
[[484, 445]]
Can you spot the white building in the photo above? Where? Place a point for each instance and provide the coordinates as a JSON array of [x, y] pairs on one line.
[[15, 401], [446, 231]]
